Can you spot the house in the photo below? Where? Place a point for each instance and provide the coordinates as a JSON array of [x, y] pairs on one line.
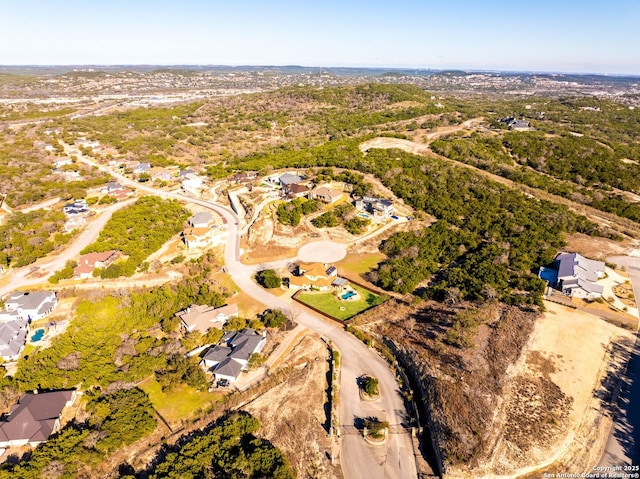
[[160, 174], [88, 262], [30, 306], [202, 317], [314, 275], [577, 275], [325, 194], [143, 167], [231, 356], [201, 219], [78, 207], [111, 187], [192, 183], [198, 237], [62, 162], [520, 125], [13, 337], [116, 190], [34, 418], [289, 179], [295, 191], [375, 206], [74, 222], [84, 143], [245, 177]]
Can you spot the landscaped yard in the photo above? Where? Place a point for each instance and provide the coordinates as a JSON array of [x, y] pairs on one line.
[[182, 402], [329, 304]]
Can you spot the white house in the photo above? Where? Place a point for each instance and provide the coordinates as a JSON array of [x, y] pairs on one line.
[[577, 275], [30, 306], [375, 206], [201, 219]]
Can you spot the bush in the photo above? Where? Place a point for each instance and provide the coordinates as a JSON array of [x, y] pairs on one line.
[[370, 386], [274, 318], [268, 278]]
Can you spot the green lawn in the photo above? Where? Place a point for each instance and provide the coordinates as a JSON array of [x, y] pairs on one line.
[[182, 402], [329, 304], [361, 263]]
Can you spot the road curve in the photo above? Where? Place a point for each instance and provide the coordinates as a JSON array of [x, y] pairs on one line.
[[19, 277], [359, 460]]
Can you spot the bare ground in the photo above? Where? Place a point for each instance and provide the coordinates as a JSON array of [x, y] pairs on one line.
[[293, 416], [565, 373]]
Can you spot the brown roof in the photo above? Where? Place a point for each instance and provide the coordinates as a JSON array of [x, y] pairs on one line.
[[203, 317], [34, 416], [313, 269], [92, 258], [296, 188], [197, 232]]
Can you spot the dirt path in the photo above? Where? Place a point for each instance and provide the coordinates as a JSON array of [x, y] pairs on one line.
[[597, 216]]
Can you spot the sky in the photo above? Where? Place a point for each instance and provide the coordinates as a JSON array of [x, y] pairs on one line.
[[536, 35]]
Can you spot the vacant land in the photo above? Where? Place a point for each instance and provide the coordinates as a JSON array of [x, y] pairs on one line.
[[567, 362], [183, 402], [293, 415], [340, 309]]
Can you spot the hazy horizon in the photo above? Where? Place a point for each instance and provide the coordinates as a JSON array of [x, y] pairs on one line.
[[543, 37]]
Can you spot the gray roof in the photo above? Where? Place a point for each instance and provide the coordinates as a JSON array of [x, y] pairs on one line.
[[230, 359], [590, 287], [339, 282], [577, 266], [13, 336], [201, 217], [27, 300], [34, 416], [217, 353], [290, 179], [228, 367]]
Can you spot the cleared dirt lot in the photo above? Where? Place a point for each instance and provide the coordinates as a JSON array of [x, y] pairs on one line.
[[292, 414], [567, 365]]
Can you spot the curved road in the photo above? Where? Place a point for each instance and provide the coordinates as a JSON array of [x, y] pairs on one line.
[[394, 460], [20, 277]]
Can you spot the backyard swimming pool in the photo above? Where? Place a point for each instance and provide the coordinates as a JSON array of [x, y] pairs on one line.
[[349, 295], [37, 336]]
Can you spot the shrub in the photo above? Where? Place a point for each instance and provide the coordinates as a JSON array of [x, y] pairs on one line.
[[268, 278]]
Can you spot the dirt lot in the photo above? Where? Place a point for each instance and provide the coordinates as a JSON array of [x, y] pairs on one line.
[[557, 386], [292, 414]]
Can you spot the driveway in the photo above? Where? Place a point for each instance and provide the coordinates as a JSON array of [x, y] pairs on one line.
[[394, 460]]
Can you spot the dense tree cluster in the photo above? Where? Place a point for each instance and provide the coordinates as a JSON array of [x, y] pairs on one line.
[[290, 213], [25, 237], [138, 231], [342, 214], [228, 449], [117, 419]]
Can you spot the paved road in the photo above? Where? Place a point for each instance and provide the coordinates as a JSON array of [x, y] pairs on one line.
[[19, 278], [623, 445], [395, 460]]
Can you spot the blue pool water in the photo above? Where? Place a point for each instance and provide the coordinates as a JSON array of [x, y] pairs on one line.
[[348, 294], [38, 336], [363, 215]]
